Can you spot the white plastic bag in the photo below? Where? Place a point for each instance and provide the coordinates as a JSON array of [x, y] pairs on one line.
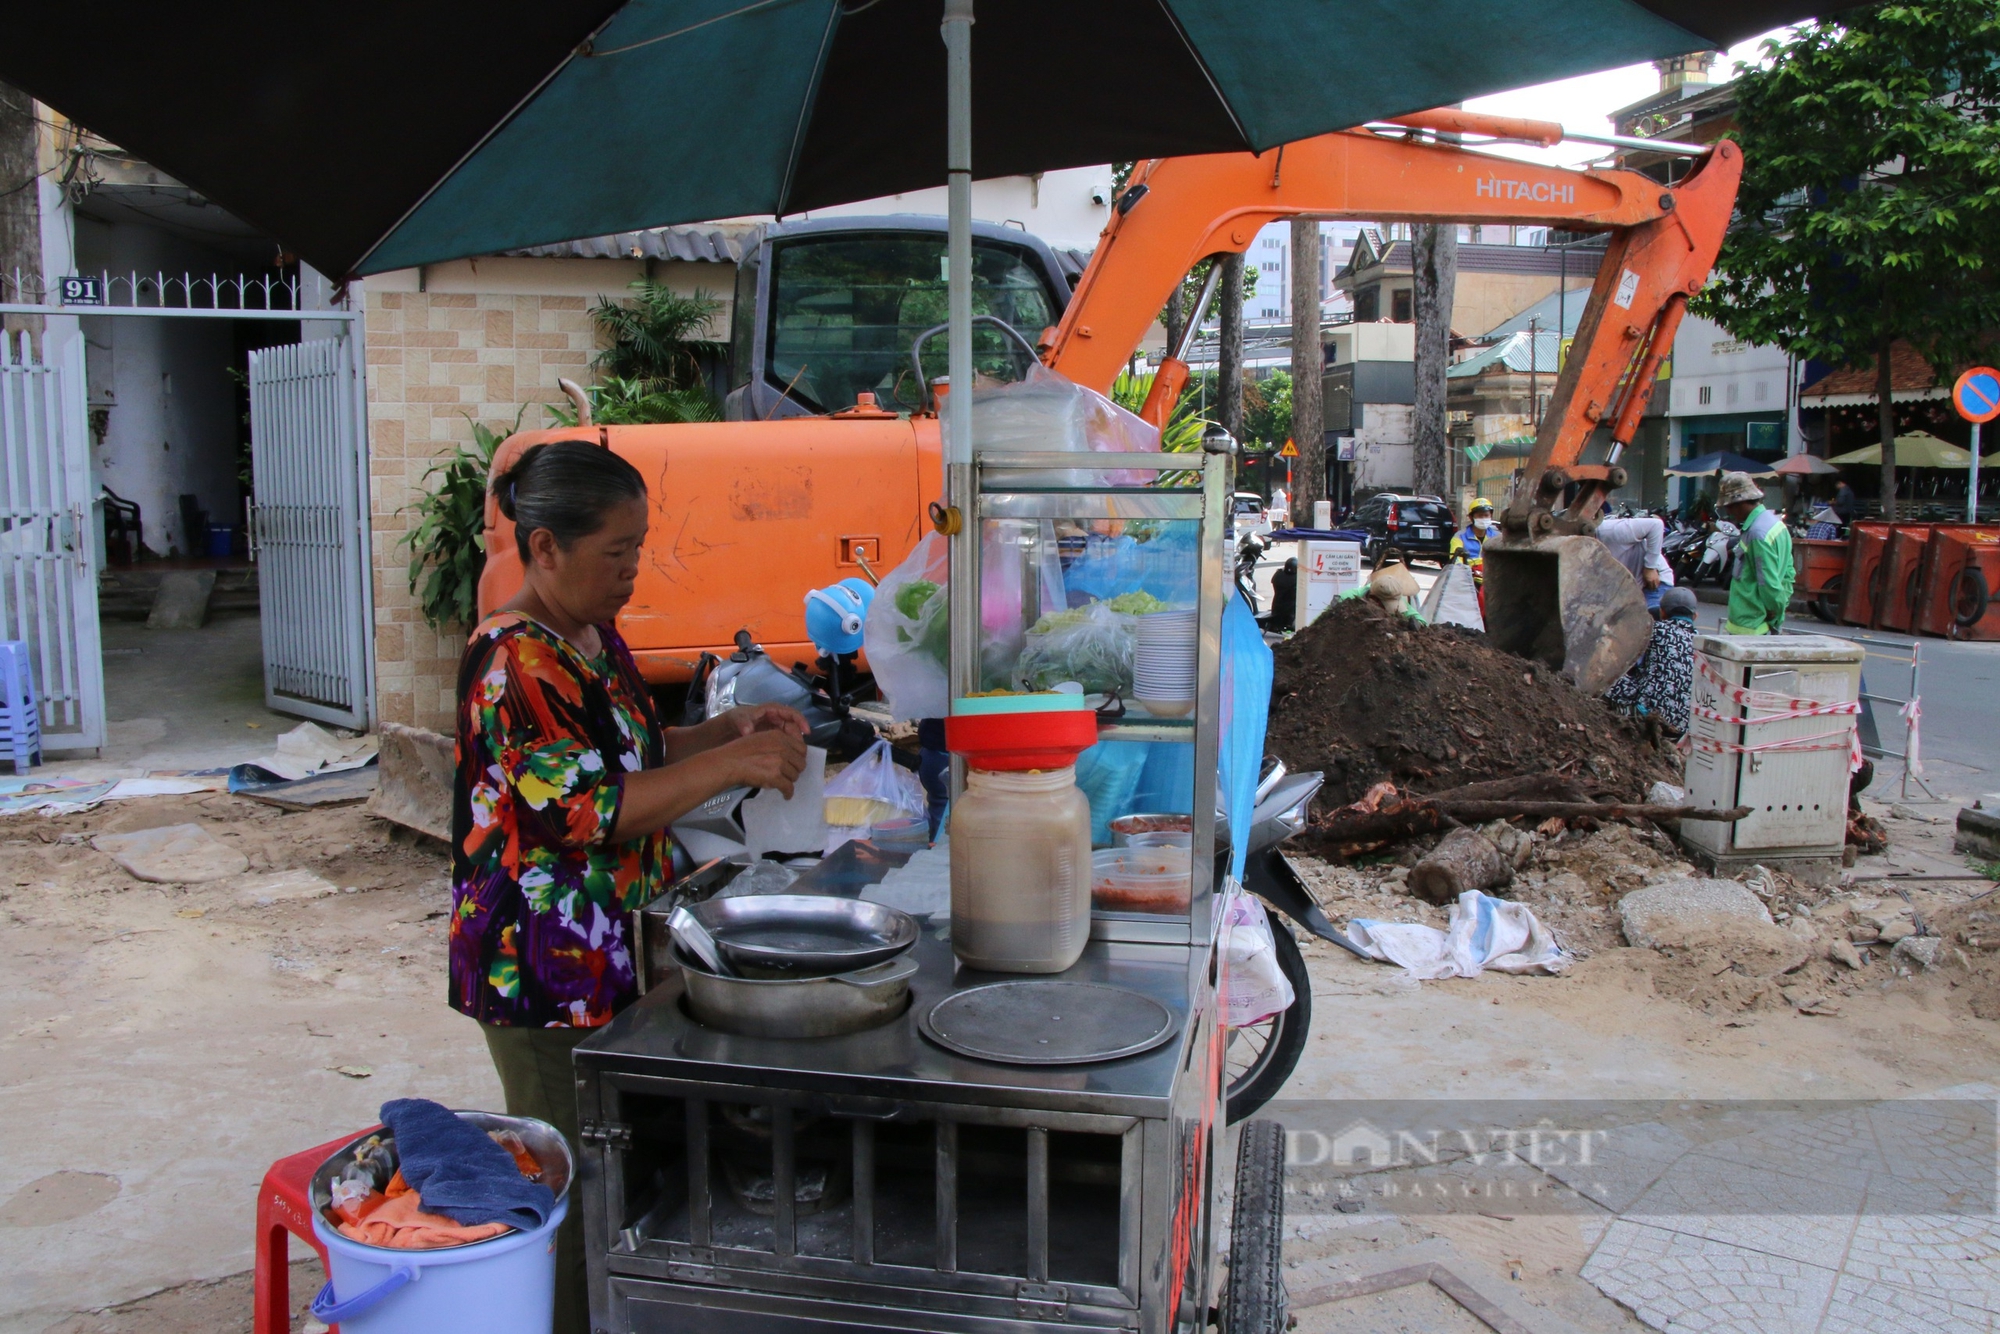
[[1254, 987], [1046, 412], [1484, 932], [908, 633], [874, 789]]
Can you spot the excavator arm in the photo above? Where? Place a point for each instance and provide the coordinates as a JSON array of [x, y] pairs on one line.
[[1555, 599]]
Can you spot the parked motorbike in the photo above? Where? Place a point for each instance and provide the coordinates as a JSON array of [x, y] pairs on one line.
[[1683, 546], [1718, 554]]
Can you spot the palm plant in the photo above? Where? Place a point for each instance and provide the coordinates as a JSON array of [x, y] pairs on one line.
[[659, 337], [617, 401]]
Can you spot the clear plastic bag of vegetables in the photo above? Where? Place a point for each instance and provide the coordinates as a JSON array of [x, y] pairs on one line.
[[1091, 645], [908, 633]]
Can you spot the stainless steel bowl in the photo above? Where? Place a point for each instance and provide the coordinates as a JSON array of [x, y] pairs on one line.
[[798, 1007], [788, 935]]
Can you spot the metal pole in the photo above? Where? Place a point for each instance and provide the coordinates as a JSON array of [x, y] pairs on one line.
[[1972, 480], [961, 481]]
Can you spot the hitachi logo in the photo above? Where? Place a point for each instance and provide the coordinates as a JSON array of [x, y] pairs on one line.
[[1542, 192]]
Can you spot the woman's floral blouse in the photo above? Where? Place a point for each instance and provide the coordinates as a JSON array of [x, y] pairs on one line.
[[539, 890]]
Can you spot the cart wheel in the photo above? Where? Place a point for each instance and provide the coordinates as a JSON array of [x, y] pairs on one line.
[[1826, 604], [1969, 596], [1260, 1058], [1254, 1302]]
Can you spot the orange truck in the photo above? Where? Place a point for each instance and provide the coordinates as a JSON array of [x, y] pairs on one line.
[[830, 458]]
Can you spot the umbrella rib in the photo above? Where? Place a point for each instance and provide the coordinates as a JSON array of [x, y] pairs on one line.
[[692, 27], [486, 138], [833, 17], [1195, 55]]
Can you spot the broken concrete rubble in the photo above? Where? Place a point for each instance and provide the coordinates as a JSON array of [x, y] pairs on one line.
[[1671, 912]]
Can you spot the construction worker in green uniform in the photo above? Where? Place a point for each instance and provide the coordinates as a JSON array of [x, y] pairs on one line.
[[1760, 586]]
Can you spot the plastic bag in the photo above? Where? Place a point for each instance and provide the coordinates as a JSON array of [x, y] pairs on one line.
[[1247, 669], [1254, 987], [1090, 645], [1108, 775], [1484, 932], [1046, 413], [908, 629], [908, 633], [873, 789], [1165, 565]]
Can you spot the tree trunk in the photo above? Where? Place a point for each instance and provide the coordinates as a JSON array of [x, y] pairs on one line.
[[1229, 355], [1308, 371], [1885, 427], [1464, 859], [20, 205], [1434, 263]]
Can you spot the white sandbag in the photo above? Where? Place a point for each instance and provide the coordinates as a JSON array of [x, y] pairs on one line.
[[1484, 932]]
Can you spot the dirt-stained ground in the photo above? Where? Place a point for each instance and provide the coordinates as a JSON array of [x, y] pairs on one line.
[[160, 1045]]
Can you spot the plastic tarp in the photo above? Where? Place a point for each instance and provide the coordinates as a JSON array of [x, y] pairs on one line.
[[1484, 932]]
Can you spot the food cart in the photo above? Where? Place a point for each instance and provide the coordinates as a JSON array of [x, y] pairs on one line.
[[1028, 1153]]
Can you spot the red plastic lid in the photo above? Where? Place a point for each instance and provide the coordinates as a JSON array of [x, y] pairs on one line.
[[1014, 742]]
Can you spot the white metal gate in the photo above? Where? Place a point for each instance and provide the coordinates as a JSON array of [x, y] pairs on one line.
[[48, 547], [308, 523]]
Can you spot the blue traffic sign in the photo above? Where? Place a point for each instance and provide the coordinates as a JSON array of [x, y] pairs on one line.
[[1977, 394]]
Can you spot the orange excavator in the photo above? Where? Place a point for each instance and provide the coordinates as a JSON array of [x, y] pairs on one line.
[[749, 515]]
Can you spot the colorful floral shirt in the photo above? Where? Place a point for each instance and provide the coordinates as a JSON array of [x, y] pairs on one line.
[[539, 890]]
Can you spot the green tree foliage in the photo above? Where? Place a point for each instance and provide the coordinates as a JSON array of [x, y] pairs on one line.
[[1267, 410], [448, 546], [1185, 423], [615, 401], [1870, 207]]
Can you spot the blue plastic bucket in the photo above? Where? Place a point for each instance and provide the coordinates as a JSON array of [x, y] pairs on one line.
[[504, 1285], [221, 540]]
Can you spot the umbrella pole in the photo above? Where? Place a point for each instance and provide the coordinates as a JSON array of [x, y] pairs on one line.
[[959, 482]]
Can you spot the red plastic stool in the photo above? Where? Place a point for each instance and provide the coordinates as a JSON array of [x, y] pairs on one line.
[[284, 1205]]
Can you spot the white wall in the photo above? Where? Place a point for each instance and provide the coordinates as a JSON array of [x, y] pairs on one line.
[[1739, 377], [163, 389]]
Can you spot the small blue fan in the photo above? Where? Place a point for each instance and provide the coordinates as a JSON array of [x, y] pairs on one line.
[[834, 615]]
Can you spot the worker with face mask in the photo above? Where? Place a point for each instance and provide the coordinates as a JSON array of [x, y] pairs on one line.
[[1760, 586], [1467, 543]]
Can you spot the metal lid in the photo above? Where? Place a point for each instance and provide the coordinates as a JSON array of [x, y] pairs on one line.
[[1047, 1022], [1780, 650]]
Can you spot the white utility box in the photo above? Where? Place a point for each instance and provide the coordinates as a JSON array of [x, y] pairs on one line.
[[1798, 797], [1326, 570]]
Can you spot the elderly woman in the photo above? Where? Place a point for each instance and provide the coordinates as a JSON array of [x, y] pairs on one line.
[[566, 785]]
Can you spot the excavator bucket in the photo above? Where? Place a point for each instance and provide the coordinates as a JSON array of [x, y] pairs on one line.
[[1568, 603]]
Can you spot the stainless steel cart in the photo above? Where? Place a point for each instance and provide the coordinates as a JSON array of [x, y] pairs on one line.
[[882, 1180]]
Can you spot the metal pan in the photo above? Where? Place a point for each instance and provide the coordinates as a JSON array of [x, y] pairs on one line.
[[805, 933]]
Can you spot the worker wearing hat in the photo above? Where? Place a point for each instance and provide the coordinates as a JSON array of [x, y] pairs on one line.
[[1760, 587], [1467, 542]]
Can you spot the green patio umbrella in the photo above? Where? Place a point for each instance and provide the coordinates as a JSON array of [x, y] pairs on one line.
[[1918, 449]]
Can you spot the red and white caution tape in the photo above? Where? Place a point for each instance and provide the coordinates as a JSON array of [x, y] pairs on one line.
[[1778, 708]]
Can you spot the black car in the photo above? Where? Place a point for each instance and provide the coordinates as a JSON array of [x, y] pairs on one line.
[[1420, 525]]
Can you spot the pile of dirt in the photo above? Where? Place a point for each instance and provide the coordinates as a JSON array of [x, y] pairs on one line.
[[1366, 696]]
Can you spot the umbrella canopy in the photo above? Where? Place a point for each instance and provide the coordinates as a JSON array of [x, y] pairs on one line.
[[1721, 461], [1804, 465], [377, 134], [1918, 449]]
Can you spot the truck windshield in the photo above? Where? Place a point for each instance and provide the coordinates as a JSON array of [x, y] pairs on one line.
[[845, 309]]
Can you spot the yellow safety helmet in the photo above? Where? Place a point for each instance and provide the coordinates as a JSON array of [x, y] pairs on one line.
[[1481, 503]]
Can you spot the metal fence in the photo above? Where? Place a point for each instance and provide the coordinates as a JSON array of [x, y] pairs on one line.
[[1898, 659]]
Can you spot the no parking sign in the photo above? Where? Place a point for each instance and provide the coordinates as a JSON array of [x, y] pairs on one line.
[[1976, 395]]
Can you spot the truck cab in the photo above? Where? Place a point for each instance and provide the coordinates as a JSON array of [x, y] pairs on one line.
[[827, 310]]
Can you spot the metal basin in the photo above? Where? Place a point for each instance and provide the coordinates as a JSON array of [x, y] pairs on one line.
[[782, 935], [798, 1007]]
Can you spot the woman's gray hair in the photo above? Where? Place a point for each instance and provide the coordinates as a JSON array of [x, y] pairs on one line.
[[567, 487]]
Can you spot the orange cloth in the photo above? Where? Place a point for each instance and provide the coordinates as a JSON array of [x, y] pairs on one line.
[[396, 1219]]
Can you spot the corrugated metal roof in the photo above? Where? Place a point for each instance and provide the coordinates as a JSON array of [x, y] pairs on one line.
[[698, 245], [1514, 354]]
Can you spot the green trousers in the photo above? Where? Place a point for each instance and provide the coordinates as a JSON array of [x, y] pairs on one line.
[[539, 1081]]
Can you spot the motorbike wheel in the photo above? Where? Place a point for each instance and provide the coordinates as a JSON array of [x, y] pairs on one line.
[[1259, 1059], [1254, 1302]]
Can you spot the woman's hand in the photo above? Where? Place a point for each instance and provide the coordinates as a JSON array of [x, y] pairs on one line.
[[771, 757], [747, 719]]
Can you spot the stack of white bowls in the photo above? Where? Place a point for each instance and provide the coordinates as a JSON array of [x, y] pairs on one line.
[[1163, 657]]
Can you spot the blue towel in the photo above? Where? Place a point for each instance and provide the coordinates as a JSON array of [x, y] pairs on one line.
[[458, 1171]]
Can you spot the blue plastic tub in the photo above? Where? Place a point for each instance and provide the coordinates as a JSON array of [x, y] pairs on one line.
[[221, 540], [505, 1285]]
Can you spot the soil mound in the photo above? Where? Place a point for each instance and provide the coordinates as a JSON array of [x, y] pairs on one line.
[[1366, 695]]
